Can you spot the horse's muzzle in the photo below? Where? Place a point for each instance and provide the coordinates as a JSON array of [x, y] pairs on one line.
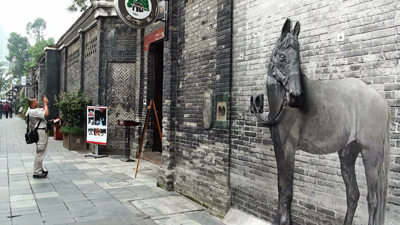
[[296, 100]]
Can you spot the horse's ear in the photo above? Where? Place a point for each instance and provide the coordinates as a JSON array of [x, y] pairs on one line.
[[285, 29], [296, 29]]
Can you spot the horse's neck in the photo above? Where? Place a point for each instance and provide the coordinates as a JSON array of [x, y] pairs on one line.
[[275, 93]]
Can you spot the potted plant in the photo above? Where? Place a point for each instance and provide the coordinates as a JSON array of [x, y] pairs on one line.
[[72, 108]]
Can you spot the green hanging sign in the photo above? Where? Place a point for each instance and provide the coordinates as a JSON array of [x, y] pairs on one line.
[[137, 13]]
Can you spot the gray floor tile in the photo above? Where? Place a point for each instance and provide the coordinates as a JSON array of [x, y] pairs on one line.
[[80, 191]]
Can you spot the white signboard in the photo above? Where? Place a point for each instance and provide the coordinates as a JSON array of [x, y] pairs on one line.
[[96, 132], [23, 81]]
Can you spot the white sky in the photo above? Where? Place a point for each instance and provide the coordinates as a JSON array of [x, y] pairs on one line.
[[15, 14]]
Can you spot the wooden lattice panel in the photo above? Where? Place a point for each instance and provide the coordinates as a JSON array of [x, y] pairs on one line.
[[120, 92]]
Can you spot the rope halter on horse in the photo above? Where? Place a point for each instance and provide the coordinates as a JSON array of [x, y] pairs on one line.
[[280, 78], [289, 41]]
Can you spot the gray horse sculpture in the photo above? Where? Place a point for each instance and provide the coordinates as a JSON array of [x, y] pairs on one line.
[[344, 116]]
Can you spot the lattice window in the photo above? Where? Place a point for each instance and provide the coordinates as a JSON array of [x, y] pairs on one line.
[[91, 46], [121, 91]]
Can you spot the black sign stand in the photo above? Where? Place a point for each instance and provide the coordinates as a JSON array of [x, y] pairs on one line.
[[128, 124]]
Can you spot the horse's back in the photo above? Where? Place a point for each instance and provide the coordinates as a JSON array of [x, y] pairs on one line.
[[372, 115], [337, 112]]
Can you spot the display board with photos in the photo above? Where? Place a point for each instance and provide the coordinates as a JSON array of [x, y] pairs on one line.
[[96, 125]]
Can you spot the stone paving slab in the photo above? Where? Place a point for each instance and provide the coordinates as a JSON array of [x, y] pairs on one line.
[[80, 190]]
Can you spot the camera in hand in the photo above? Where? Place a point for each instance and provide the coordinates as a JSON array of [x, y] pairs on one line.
[[49, 123]]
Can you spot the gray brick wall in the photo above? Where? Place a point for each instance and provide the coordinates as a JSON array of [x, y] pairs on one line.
[[193, 156], [369, 52], [91, 65], [73, 80], [33, 89], [117, 43], [63, 69], [41, 74]]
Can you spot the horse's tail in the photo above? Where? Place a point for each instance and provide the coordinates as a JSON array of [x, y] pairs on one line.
[[383, 172]]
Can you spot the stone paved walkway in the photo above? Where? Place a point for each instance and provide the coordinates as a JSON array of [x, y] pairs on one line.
[[80, 190]]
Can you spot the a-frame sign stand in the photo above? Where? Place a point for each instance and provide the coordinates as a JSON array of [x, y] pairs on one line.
[[151, 107]]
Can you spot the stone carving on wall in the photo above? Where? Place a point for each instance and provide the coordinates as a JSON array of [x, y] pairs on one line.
[[321, 117], [120, 91]]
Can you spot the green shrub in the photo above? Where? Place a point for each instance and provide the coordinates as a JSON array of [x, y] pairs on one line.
[[72, 108]]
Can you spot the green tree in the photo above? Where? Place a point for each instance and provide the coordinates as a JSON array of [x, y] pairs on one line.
[[18, 53], [3, 82], [36, 29], [37, 50], [79, 5]]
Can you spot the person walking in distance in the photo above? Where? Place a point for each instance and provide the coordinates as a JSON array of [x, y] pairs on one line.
[[37, 115], [10, 110], [1, 109], [6, 107]]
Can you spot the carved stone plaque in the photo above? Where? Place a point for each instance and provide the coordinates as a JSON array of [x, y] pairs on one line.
[[208, 109], [221, 109]]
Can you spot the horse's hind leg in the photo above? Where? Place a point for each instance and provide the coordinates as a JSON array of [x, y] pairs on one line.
[[348, 157], [375, 164]]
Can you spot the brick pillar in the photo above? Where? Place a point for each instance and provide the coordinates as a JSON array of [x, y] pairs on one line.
[[102, 59], [166, 172], [140, 83], [82, 58], [223, 86]]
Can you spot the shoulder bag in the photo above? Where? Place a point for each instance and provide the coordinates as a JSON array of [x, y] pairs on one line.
[[32, 136]]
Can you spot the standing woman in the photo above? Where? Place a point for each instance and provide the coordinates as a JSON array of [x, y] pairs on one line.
[[36, 116], [10, 110], [6, 106]]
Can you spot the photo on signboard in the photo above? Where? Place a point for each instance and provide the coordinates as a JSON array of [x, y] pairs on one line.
[[91, 113], [91, 121], [97, 132], [103, 132], [91, 131], [100, 117]]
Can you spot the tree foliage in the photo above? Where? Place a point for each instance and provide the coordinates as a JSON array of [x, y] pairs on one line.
[[18, 50], [37, 50], [72, 107], [36, 29], [3, 82], [79, 5]]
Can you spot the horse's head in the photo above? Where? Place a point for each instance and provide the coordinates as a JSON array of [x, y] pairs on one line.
[[284, 65]]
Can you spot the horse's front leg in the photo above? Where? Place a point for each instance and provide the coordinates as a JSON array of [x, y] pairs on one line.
[[284, 154]]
